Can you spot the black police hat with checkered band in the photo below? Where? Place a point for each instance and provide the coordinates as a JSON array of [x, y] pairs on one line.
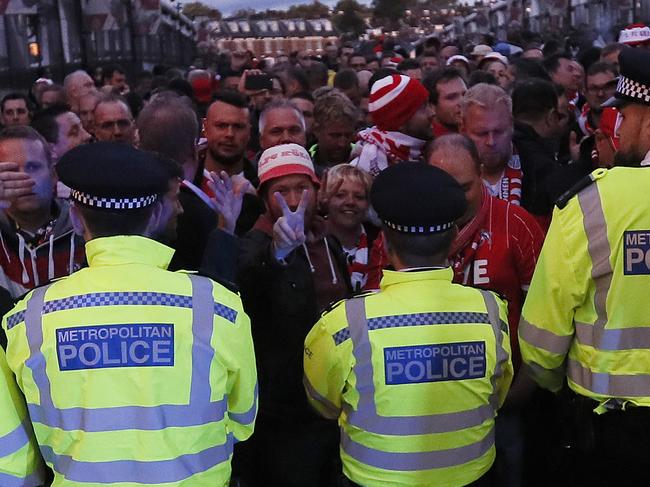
[[417, 199], [111, 176], [634, 80]]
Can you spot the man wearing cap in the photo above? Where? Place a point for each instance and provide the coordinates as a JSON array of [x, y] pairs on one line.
[[497, 65], [635, 35], [124, 373], [479, 52], [400, 109], [586, 319], [461, 63], [414, 373], [288, 272]]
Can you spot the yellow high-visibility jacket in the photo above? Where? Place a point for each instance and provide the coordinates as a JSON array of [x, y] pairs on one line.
[[131, 374], [587, 313], [415, 375]]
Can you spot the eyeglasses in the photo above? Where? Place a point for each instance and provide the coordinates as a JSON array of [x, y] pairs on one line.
[[610, 85], [122, 124]]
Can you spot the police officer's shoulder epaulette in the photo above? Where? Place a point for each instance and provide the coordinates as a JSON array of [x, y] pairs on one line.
[[229, 285], [335, 304], [45, 284], [332, 306], [496, 293], [588, 180]]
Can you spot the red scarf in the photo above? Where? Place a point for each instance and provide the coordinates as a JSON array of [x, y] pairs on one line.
[[357, 259], [378, 149], [510, 185], [583, 120], [468, 240]]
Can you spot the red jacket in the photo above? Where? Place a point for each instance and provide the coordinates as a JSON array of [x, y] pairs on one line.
[[24, 266], [504, 261]]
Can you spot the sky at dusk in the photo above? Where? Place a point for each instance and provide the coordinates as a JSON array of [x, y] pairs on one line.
[[229, 6]]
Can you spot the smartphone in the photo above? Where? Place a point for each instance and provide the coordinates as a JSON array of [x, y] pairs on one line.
[[256, 82]]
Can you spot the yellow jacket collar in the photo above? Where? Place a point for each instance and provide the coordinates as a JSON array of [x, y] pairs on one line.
[[124, 249], [394, 277]]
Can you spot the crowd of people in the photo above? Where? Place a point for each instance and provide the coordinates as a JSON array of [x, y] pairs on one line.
[[294, 183]]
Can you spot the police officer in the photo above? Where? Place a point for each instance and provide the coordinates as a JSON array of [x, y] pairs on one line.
[[416, 372], [124, 373], [586, 319]]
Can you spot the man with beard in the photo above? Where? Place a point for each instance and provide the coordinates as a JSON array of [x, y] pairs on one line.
[[586, 319], [446, 89], [399, 106], [496, 248], [227, 131], [487, 120], [539, 123]]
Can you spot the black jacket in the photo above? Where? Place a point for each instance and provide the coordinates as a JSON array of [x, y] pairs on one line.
[[199, 220], [545, 179], [282, 303]]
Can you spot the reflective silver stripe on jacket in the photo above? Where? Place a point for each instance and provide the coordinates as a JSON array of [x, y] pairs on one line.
[[15, 439], [365, 416], [35, 479], [599, 249], [612, 385], [599, 335], [200, 410], [544, 339]]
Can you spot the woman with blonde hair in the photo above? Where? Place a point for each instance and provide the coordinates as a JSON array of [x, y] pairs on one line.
[[345, 200]]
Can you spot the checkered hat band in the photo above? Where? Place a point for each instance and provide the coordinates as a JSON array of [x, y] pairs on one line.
[[113, 203], [633, 89], [423, 230]]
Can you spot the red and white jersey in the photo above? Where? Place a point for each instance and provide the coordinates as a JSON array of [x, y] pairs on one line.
[[508, 188], [504, 260]]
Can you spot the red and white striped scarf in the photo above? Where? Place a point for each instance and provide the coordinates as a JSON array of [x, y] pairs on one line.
[[377, 149], [357, 259], [468, 240], [583, 120], [509, 188]]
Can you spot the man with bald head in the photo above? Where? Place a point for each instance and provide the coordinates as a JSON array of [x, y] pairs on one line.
[[76, 85], [114, 121], [282, 122]]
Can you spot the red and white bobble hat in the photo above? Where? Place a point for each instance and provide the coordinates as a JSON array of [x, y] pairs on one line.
[[285, 160], [394, 100], [635, 34]]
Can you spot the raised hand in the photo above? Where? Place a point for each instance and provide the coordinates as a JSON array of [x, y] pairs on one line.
[[606, 149], [289, 229], [13, 183], [229, 195]]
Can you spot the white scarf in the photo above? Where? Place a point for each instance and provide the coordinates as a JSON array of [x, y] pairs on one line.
[[378, 149]]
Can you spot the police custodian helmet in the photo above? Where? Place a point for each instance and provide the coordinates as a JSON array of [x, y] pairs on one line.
[[113, 177], [417, 199], [634, 81]]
